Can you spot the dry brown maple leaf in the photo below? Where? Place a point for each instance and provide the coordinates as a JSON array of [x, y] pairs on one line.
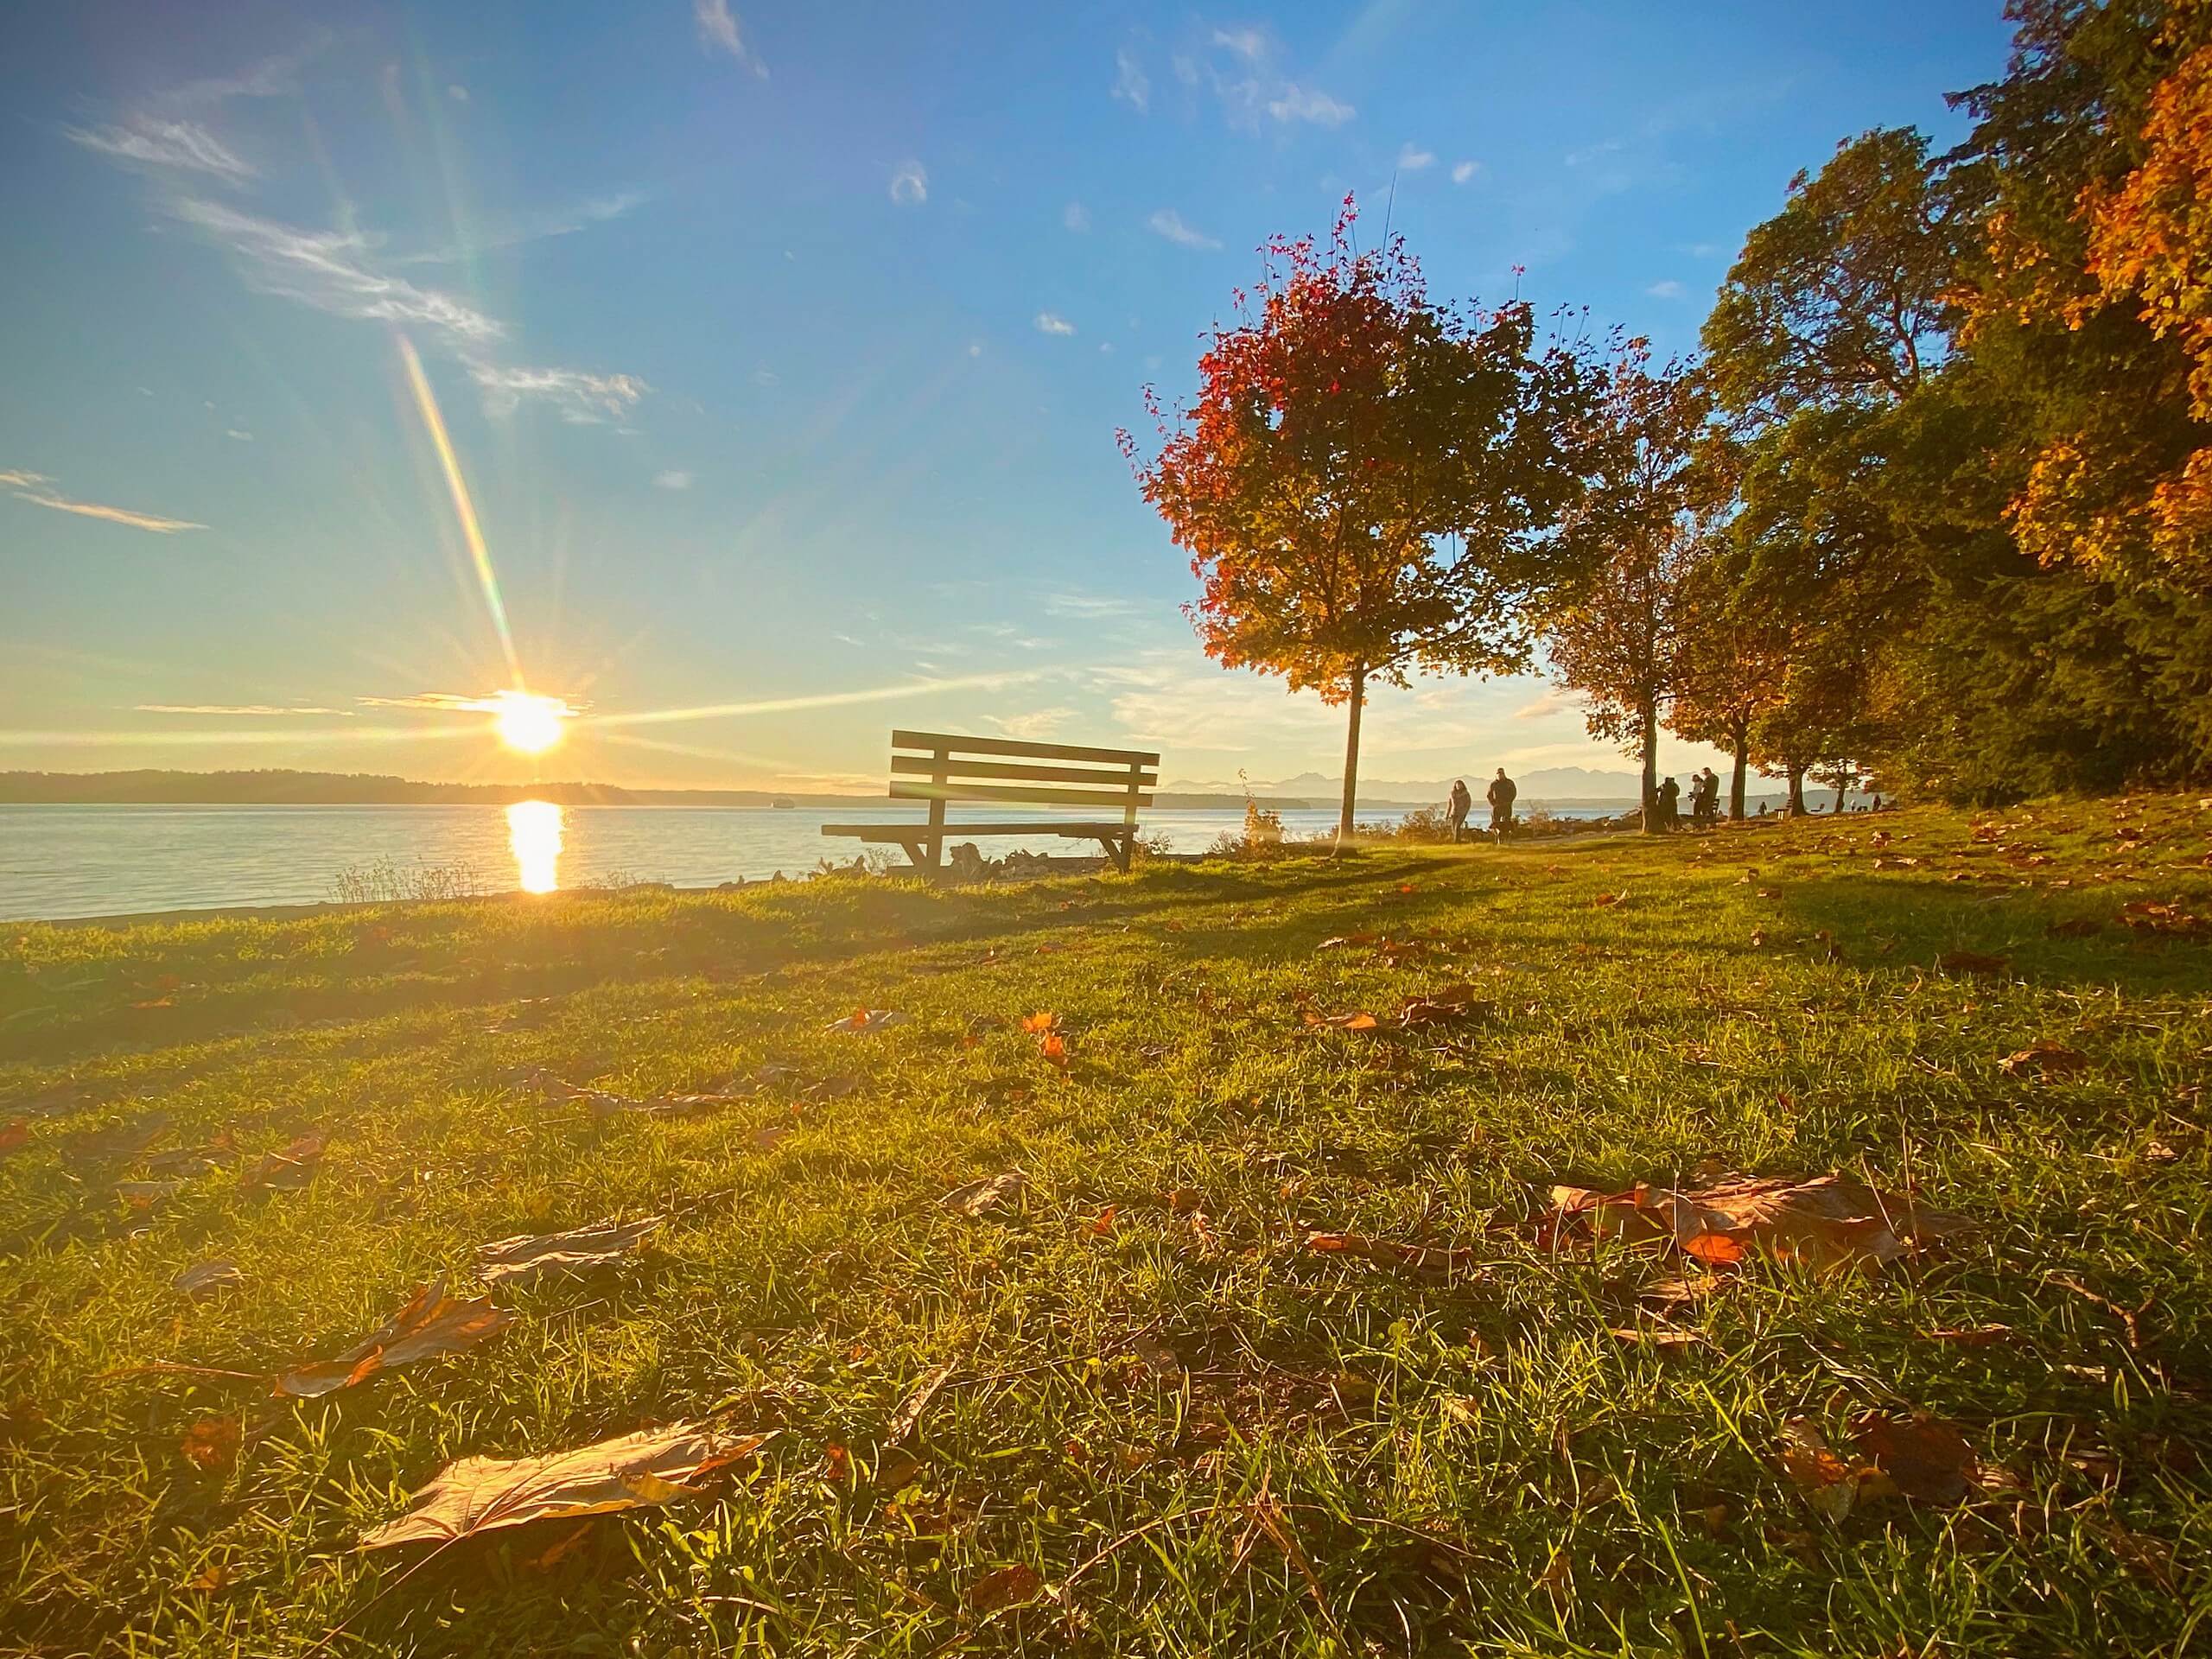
[[1390, 1253], [630, 1471], [289, 1170], [910, 1411], [212, 1442], [431, 1324], [523, 1259], [866, 1019], [1829, 1221], [1357, 1020]]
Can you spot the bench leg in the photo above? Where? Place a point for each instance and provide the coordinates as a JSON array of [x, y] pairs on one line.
[[1118, 850]]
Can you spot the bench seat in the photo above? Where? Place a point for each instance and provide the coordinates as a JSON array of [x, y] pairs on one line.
[[936, 769]]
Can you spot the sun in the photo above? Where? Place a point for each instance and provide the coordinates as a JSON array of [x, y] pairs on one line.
[[529, 722]]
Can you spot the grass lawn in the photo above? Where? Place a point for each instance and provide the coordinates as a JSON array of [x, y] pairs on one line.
[[1199, 1431]]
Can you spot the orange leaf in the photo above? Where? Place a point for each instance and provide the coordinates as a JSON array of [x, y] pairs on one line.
[[1054, 1048], [212, 1442], [1009, 1587], [1040, 1022], [16, 1132], [1104, 1223]]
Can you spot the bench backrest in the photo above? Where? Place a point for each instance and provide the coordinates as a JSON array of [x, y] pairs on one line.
[[940, 767]]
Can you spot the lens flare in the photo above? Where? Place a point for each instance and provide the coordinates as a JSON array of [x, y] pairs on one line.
[[464, 509], [528, 722], [534, 835]]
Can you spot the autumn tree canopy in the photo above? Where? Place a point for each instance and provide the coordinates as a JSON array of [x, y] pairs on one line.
[[1363, 478]]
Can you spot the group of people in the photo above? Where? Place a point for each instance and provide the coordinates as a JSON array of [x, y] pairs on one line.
[[1502, 793], [1705, 802]]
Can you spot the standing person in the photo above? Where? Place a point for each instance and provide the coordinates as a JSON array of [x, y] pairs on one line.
[[1458, 805], [1500, 795], [1670, 805], [1709, 801]]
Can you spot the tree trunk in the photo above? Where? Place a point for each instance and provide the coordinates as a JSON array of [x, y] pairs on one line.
[[1741, 742], [1649, 738], [1840, 791], [1351, 754], [1795, 809]]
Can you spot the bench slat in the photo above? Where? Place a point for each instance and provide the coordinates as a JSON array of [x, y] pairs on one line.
[[959, 744], [930, 766], [901, 791]]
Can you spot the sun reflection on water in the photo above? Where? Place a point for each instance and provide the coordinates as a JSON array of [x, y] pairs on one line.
[[534, 833]]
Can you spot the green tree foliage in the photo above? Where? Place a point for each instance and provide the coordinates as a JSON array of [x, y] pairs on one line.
[[1970, 441]]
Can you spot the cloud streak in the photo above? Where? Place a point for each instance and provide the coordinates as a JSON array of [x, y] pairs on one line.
[[154, 140], [38, 489], [1131, 85], [583, 399], [1052, 322], [910, 184], [1169, 223], [719, 32], [235, 708]]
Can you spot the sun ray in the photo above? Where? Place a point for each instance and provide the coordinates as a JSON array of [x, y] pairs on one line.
[[464, 509]]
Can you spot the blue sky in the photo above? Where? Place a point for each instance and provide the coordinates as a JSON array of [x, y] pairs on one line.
[[781, 350]]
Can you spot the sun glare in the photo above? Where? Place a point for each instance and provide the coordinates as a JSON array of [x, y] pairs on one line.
[[534, 835], [529, 722]]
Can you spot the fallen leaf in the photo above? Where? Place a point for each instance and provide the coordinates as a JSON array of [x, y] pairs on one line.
[[1823, 1479], [14, 1134], [1183, 1200], [1926, 1459], [211, 1443], [1009, 1587], [219, 1275], [1360, 1020], [289, 1170], [479, 1495], [1103, 1224], [1828, 1221], [523, 1259], [2044, 1058], [1054, 1048], [1665, 1338], [213, 1577], [910, 1409], [980, 1198], [866, 1019], [560, 1548], [1040, 1022], [430, 1325], [764, 1138], [1607, 901]]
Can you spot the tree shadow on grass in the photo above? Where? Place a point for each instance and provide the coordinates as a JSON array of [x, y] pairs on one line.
[[1918, 924]]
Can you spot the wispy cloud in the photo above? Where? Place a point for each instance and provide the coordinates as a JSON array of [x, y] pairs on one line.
[[1059, 603], [718, 32], [1248, 43], [1076, 217], [1032, 727], [582, 398], [275, 76], [1463, 171], [1412, 160], [1131, 85], [1296, 103], [1554, 700], [38, 489], [910, 184], [672, 481], [1169, 223], [155, 141], [1668, 289], [330, 271], [256, 708], [1052, 322]]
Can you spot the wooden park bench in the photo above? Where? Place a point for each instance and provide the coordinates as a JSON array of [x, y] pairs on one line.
[[936, 767]]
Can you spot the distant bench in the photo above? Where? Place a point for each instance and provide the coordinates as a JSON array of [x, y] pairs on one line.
[[934, 767]]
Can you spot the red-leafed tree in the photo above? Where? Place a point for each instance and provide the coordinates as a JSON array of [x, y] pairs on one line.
[[1364, 478]]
